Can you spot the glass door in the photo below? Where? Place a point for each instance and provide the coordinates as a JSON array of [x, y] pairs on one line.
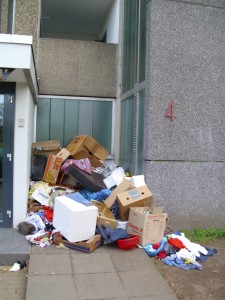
[[7, 95]]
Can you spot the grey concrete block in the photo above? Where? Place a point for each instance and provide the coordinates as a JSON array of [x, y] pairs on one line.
[[50, 264], [185, 63], [91, 286], [146, 283], [51, 287], [192, 193], [93, 263]]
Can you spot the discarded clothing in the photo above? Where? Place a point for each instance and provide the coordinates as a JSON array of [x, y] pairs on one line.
[[202, 258], [153, 252], [112, 235], [173, 260], [83, 164], [193, 247], [36, 220]]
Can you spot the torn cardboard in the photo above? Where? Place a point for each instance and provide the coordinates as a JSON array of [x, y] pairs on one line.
[[84, 246], [122, 187], [46, 147], [105, 216], [85, 146]]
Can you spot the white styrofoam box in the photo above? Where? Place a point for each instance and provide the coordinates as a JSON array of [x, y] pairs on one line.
[[75, 221]]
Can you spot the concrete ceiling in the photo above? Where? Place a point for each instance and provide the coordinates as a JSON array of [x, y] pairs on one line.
[[78, 18]]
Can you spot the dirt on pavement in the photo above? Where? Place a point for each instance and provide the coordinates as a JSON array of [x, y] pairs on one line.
[[208, 283]]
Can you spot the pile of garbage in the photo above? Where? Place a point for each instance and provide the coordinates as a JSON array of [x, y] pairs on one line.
[[79, 202]]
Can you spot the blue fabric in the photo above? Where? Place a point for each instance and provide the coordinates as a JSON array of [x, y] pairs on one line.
[[99, 196], [173, 260], [202, 258], [153, 252], [79, 198]]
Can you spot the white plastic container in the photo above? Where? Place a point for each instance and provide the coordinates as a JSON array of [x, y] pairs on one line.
[[75, 221]]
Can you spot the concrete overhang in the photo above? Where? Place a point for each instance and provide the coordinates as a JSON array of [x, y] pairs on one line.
[[16, 55]]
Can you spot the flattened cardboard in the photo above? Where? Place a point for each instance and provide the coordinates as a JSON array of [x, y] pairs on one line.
[[140, 196], [105, 216], [52, 169], [149, 227], [84, 246], [122, 187], [85, 146], [46, 147]]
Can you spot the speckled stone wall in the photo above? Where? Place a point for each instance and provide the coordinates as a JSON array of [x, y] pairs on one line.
[[186, 64], [192, 193], [79, 68], [4, 19], [27, 20]]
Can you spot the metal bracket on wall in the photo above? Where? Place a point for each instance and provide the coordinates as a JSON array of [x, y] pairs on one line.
[[5, 73]]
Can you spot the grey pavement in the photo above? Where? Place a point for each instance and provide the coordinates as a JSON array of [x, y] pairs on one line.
[[107, 273]]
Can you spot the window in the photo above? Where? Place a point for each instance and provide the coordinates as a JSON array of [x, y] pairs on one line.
[[133, 76]]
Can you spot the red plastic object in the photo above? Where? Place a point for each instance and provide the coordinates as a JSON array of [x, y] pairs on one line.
[[127, 244]]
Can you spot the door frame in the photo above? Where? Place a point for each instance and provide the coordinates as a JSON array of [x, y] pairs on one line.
[[8, 89]]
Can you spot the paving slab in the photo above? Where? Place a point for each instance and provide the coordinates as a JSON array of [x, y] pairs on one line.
[[50, 264], [51, 287], [14, 246], [99, 286], [94, 263]]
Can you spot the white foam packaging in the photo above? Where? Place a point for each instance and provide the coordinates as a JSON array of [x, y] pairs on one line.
[[75, 221]]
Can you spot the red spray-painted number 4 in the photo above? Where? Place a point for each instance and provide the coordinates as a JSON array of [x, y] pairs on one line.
[[170, 111]]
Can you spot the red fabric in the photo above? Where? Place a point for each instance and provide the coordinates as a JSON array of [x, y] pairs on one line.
[[161, 254], [48, 213], [176, 243]]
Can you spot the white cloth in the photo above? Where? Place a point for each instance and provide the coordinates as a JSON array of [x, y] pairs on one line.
[[196, 249]]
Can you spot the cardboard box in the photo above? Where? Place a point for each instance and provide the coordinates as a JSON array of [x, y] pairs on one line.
[[64, 154], [140, 196], [75, 221], [52, 169], [149, 227], [84, 146], [84, 246], [46, 147], [105, 216], [122, 187]]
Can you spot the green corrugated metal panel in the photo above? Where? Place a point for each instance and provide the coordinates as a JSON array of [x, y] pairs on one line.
[[43, 119], [140, 131], [102, 118], [126, 137], [108, 116], [62, 119], [85, 117], [129, 45], [71, 120], [142, 41], [57, 120]]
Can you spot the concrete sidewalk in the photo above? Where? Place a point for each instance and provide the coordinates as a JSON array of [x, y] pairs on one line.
[[54, 273], [106, 273]]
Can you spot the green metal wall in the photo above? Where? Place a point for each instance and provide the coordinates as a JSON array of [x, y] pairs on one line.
[[62, 119]]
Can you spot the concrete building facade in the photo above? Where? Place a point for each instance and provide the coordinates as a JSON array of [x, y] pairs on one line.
[[174, 112]]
